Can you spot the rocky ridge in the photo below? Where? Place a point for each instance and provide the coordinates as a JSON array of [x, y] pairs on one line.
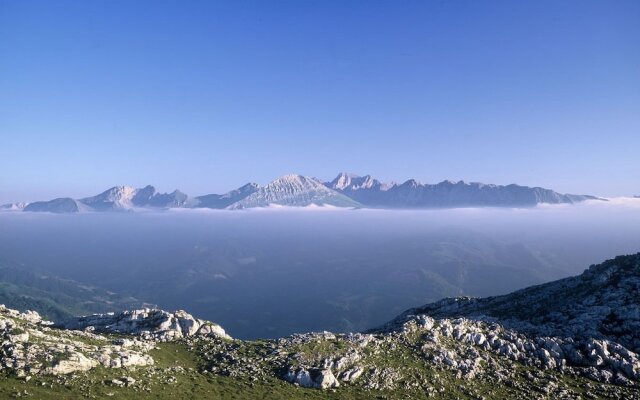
[[524, 345], [602, 303], [446, 194]]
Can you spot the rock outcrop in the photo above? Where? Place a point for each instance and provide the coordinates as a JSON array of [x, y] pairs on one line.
[[32, 346], [148, 324], [313, 378]]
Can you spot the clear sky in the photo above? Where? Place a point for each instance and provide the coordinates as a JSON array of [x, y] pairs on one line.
[[205, 96]]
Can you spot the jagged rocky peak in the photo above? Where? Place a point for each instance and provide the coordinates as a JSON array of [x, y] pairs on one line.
[[120, 198], [147, 323], [342, 181], [175, 199], [143, 195], [411, 184], [294, 190], [296, 183], [347, 181], [114, 194], [115, 198]]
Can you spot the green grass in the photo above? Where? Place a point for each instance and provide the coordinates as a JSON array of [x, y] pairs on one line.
[[172, 360], [175, 360]]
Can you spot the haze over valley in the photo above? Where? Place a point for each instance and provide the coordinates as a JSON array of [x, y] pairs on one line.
[[275, 271]]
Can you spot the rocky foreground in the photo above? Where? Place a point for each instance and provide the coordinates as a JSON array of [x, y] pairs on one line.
[[574, 338]]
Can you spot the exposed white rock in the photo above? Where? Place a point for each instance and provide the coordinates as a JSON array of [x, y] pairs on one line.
[[75, 362], [352, 374], [313, 378], [149, 324], [31, 345]]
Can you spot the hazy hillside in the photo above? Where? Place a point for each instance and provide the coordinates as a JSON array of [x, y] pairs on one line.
[[56, 298]]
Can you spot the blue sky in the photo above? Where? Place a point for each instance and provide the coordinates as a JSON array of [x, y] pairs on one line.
[[205, 96]]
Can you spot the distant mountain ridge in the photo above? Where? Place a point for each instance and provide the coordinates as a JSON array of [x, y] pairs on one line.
[[446, 194], [346, 190]]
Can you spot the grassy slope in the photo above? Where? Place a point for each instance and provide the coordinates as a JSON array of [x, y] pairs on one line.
[[174, 360]]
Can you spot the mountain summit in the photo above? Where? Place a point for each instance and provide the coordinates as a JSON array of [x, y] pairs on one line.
[[116, 198], [297, 191]]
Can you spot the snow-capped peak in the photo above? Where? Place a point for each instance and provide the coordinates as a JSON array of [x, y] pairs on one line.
[[294, 190], [118, 193], [343, 180], [117, 197], [293, 179]]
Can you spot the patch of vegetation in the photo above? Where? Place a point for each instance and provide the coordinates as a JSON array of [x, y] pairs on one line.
[[17, 331]]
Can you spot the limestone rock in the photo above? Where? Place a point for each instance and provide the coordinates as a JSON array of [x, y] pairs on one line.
[[148, 323], [312, 378]]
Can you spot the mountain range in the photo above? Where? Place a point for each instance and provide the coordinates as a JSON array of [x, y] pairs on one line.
[[346, 190]]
